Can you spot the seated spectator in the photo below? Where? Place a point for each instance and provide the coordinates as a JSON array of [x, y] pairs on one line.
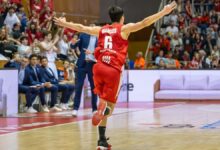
[[71, 74], [165, 43], [14, 62], [176, 40], [195, 63], [203, 60], [29, 91], [170, 62], [66, 89], [174, 17], [16, 31], [161, 56], [35, 47], [11, 19], [140, 61], [172, 29], [33, 77], [216, 51], [214, 62], [162, 64], [63, 71]]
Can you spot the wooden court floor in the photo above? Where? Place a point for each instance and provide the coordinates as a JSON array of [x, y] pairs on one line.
[[167, 126]]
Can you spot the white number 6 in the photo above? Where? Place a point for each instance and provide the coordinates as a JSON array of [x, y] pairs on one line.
[[108, 42]]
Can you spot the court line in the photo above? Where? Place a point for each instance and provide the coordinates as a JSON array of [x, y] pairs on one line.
[[211, 125], [86, 120]]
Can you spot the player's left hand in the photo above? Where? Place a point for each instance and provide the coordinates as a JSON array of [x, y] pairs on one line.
[[60, 21], [88, 52], [170, 7]]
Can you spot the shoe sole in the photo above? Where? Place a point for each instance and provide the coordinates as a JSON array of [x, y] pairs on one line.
[[103, 148]]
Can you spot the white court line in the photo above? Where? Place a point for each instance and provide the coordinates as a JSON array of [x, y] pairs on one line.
[[63, 124]]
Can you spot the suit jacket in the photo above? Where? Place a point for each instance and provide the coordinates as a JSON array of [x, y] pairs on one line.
[[30, 77], [49, 76], [83, 44]]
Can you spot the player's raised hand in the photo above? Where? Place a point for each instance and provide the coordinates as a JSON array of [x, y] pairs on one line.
[[170, 7], [60, 21]]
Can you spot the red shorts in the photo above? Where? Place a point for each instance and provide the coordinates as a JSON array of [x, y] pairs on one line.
[[107, 82]]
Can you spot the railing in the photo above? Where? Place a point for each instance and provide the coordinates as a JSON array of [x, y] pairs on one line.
[[157, 25]]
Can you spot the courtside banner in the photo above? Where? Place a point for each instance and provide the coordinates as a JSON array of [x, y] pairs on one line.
[[123, 91], [8, 92], [141, 83]]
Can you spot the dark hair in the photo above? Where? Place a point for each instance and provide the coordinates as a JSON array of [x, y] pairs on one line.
[[42, 58], [115, 13], [23, 38], [32, 56]]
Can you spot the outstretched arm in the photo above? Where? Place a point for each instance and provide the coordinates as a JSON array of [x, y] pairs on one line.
[[77, 27], [133, 27]]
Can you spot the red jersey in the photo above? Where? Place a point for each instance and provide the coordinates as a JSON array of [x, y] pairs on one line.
[[112, 48]]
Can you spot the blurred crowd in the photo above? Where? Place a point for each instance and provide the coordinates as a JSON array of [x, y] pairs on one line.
[[189, 37], [44, 54]]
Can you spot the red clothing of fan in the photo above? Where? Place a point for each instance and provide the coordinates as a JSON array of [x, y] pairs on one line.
[[110, 55]]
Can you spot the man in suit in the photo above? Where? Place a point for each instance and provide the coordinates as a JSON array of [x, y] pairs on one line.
[[85, 63], [66, 89], [30, 92], [34, 78]]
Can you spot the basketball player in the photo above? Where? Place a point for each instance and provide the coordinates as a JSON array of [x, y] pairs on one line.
[[111, 54]]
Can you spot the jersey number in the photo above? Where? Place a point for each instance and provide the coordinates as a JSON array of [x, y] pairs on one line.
[[108, 42]]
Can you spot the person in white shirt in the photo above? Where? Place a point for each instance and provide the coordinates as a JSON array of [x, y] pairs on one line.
[[11, 19], [64, 47], [23, 48], [172, 29], [50, 51]]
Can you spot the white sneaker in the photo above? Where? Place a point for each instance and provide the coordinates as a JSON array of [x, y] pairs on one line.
[[74, 113], [45, 109], [67, 107], [55, 109], [31, 110], [63, 106]]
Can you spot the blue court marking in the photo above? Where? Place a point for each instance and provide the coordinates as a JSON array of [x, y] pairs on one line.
[[213, 125]]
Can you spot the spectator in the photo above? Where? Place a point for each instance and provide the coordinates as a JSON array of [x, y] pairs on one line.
[[23, 48], [161, 56], [11, 19], [188, 9], [50, 51], [195, 63], [63, 46], [140, 61], [176, 40], [66, 89], [16, 31], [172, 29], [33, 77], [30, 92], [170, 62], [162, 64]]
